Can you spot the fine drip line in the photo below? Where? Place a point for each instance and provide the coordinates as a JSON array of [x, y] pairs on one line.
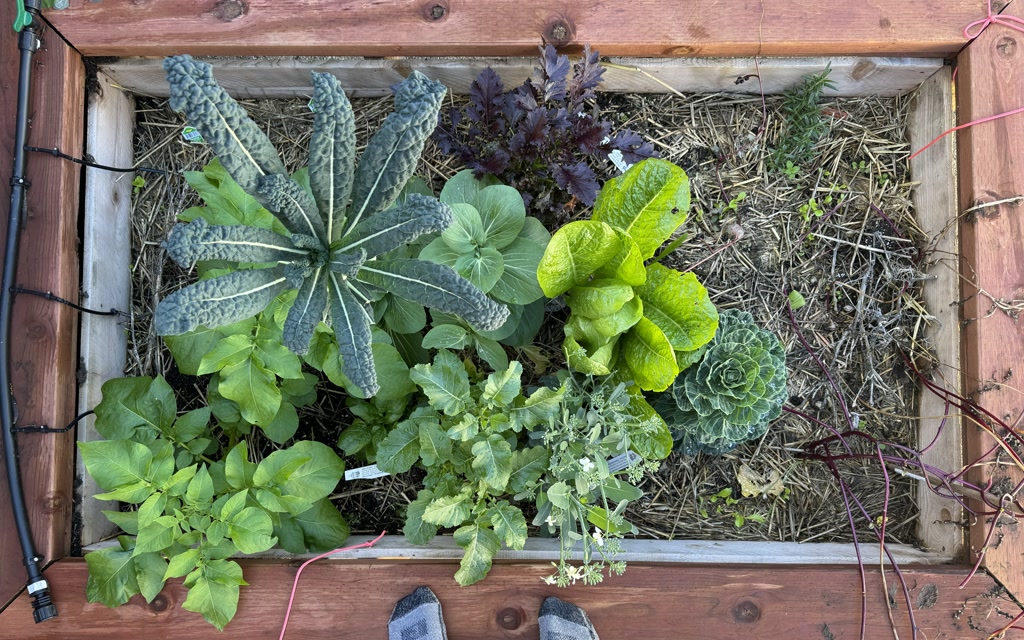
[[55, 151]]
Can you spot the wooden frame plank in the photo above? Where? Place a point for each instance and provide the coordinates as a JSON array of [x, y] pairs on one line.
[[692, 552], [496, 27], [44, 337], [106, 283], [362, 77], [353, 599], [940, 525], [991, 81]]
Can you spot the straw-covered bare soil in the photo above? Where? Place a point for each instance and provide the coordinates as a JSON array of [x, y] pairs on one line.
[[855, 264]]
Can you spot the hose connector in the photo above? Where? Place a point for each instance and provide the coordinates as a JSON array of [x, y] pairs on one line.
[[43, 608]]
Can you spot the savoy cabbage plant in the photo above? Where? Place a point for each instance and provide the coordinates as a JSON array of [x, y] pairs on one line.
[[732, 394], [342, 231]]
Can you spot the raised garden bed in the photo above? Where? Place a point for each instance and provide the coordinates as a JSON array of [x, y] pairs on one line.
[[858, 266], [940, 164]]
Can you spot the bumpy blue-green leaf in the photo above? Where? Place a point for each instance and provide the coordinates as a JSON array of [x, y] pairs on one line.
[[294, 204], [393, 228], [436, 286], [218, 301], [332, 151], [200, 240], [346, 263], [735, 391], [306, 313], [392, 154], [243, 148], [351, 323]]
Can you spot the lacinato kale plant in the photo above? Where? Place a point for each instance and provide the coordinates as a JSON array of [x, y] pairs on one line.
[[732, 394], [539, 138], [342, 229]]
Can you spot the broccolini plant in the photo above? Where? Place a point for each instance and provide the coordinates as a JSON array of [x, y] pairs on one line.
[[735, 391], [341, 229]]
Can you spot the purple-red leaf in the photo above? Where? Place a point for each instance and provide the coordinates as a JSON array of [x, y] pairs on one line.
[[578, 179]]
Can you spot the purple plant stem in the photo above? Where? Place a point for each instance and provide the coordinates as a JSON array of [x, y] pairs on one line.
[[821, 365]]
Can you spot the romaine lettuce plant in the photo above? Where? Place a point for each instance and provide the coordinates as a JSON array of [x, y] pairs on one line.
[[732, 395], [192, 513], [646, 323], [341, 230], [539, 138]]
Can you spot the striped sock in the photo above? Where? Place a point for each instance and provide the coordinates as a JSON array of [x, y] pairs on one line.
[[417, 616], [560, 620]]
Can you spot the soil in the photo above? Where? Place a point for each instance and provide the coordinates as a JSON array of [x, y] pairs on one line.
[[855, 262]]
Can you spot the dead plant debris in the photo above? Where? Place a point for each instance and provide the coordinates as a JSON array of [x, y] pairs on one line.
[[841, 232]]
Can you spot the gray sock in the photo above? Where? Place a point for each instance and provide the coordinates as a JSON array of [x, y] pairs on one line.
[[560, 620], [417, 616]]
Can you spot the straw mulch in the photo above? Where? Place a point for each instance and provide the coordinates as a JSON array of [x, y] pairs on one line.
[[857, 268]]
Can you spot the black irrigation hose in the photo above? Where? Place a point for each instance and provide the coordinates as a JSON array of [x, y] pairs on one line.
[[42, 606]]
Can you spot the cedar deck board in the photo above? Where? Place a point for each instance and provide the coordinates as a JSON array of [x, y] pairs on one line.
[[338, 599], [497, 27], [44, 334], [991, 81]]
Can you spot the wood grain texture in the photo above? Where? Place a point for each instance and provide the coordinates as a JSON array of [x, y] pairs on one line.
[[44, 337], [710, 552], [361, 77], [106, 278], [498, 27], [353, 600], [991, 81], [940, 525]]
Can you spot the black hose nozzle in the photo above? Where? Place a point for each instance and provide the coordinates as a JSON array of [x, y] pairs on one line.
[[43, 608]]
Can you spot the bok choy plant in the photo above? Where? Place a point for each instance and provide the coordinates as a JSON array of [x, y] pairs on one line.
[[342, 230]]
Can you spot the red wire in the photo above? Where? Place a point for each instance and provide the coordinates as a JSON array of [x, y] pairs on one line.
[[972, 31], [964, 126], [295, 585]]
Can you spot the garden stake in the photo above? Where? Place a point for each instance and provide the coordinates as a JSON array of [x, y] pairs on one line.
[[42, 606]]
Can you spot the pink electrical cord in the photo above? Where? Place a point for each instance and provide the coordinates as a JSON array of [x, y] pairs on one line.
[[972, 31], [295, 585]]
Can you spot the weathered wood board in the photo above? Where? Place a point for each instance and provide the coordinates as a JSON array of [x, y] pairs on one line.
[[361, 77], [339, 599], [940, 525], [497, 27], [991, 81], [44, 337]]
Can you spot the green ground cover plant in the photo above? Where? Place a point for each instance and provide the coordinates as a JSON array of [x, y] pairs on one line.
[[197, 503]]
